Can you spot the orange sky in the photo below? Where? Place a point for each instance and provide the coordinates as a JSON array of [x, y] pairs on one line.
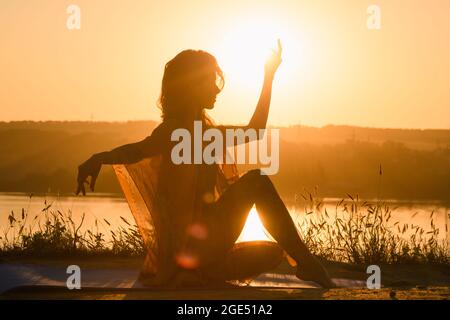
[[334, 71]]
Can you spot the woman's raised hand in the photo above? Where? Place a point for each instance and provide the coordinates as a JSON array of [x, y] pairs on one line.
[[274, 61], [89, 168]]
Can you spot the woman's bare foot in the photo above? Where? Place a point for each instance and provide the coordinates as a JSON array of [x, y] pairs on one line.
[[314, 271]]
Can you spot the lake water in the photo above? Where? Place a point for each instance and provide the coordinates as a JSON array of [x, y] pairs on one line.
[[103, 206]]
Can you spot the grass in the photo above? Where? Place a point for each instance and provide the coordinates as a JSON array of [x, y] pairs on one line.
[[363, 233], [53, 233], [359, 233]]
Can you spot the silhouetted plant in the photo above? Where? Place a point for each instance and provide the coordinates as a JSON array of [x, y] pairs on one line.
[[360, 233], [357, 233], [54, 233]]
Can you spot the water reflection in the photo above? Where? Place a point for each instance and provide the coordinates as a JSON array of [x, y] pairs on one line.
[[111, 208]]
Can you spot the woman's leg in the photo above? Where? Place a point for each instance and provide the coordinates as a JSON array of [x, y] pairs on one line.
[[231, 210]]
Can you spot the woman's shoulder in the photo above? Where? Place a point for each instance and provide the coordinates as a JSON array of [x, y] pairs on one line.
[[165, 127], [160, 137]]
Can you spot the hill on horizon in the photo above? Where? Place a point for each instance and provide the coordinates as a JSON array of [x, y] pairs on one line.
[[43, 156]]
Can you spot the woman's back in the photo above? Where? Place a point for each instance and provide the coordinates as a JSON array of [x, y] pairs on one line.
[[175, 195]]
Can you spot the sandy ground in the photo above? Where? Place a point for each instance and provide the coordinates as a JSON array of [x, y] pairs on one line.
[[115, 278]]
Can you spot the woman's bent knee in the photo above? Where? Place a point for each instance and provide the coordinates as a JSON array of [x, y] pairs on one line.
[[256, 177], [254, 172], [252, 175]]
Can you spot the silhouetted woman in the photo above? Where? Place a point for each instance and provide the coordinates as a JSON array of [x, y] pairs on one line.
[[201, 198]]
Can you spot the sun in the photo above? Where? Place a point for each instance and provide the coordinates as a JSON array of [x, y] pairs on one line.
[[243, 50], [253, 229]]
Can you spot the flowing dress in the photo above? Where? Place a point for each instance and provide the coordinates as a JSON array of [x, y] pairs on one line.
[[166, 199]]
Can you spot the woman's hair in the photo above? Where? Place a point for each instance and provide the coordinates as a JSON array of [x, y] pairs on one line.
[[188, 67]]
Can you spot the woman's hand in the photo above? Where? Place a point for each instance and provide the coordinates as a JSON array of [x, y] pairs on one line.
[[274, 61], [91, 168]]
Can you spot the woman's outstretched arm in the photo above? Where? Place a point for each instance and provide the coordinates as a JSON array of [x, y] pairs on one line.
[[128, 153]]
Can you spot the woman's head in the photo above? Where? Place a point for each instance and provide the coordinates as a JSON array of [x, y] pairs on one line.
[[190, 83]]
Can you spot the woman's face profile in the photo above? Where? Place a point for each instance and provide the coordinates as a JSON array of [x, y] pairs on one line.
[[205, 91]]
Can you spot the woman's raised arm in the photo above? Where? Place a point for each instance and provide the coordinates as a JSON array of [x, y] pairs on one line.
[[261, 113]]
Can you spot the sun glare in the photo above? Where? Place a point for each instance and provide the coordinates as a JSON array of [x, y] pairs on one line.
[[242, 52], [253, 229]]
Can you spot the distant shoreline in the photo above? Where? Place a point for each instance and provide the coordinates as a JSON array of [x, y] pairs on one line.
[[43, 157], [156, 121]]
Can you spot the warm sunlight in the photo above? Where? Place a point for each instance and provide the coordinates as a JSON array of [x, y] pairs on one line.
[[242, 52], [172, 150], [253, 229]]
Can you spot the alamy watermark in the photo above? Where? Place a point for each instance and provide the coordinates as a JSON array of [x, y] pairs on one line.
[[220, 147], [74, 280], [374, 280], [73, 21], [374, 18]]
